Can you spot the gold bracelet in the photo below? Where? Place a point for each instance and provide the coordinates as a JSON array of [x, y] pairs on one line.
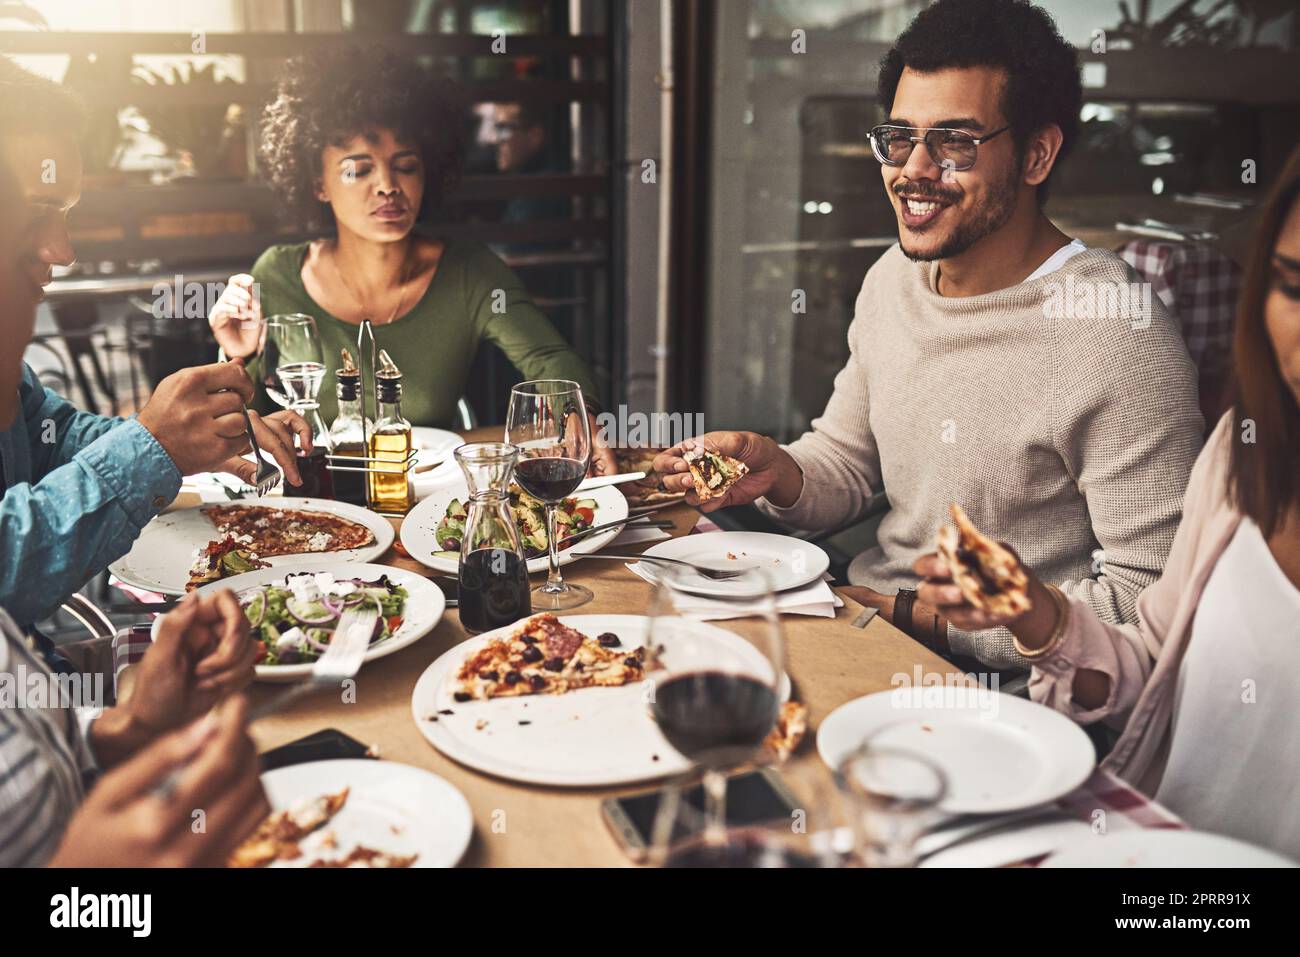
[[1062, 619]]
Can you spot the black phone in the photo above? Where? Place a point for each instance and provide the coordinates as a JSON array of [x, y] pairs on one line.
[[756, 797], [328, 745]]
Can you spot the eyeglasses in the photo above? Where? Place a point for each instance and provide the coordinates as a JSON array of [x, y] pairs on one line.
[[951, 149]]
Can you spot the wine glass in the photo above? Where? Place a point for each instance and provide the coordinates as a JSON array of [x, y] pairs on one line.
[[547, 421], [897, 795], [293, 363], [717, 685]]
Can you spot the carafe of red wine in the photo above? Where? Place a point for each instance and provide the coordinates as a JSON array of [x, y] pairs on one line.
[[493, 587]]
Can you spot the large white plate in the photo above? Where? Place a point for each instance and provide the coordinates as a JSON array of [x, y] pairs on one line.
[[999, 753], [594, 737], [391, 807], [425, 604], [789, 562], [161, 557], [1163, 847], [434, 445], [420, 526]]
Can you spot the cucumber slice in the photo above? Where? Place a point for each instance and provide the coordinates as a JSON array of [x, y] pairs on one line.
[[309, 612], [255, 608]]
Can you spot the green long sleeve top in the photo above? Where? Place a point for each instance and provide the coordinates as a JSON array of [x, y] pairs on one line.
[[473, 296]]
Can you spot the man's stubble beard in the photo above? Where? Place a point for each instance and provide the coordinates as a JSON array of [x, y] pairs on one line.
[[995, 214]]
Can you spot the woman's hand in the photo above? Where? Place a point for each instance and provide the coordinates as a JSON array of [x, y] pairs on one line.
[[187, 800], [203, 653], [1032, 627], [236, 319], [772, 471], [927, 626]]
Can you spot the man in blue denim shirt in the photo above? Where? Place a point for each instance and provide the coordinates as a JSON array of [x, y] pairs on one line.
[[78, 488]]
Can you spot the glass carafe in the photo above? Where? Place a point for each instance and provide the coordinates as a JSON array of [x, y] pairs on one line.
[[493, 587]]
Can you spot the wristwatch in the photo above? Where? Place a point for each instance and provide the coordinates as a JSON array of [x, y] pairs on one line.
[[903, 603]]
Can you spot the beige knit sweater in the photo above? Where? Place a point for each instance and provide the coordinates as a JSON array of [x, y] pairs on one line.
[[1058, 430]]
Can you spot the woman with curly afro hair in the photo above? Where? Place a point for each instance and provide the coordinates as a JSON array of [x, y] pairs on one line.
[[368, 142]]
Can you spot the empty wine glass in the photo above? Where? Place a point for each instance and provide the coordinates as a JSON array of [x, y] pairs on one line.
[[718, 685], [897, 794], [293, 363], [547, 422]]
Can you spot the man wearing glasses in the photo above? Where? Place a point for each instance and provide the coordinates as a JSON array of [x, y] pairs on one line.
[[971, 377]]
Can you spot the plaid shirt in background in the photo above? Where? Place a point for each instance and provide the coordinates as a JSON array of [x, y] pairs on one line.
[[1199, 286]]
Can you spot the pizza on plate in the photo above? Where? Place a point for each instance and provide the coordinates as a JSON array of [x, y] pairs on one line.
[[222, 558], [545, 656], [989, 576], [713, 473], [279, 836], [269, 531]]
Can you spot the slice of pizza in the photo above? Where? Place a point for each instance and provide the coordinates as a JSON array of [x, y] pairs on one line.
[[271, 531], [545, 656], [791, 725], [988, 575], [278, 837], [713, 472], [223, 558]]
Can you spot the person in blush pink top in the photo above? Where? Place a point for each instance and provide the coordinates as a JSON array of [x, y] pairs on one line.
[[1206, 686]]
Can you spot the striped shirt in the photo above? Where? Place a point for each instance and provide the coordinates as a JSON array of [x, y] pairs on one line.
[[43, 756]]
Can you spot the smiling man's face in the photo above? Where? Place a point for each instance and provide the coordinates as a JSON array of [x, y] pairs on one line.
[[47, 169], [943, 213]]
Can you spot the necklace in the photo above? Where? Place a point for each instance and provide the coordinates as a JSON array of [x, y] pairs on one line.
[[406, 276]]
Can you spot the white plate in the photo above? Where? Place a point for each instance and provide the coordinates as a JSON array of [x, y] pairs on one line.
[[593, 737], [425, 604], [789, 562], [999, 753], [161, 557], [1163, 847], [420, 526], [391, 807], [434, 445]]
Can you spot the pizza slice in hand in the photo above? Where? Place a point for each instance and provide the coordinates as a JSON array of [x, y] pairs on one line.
[[713, 472], [547, 657], [989, 576]]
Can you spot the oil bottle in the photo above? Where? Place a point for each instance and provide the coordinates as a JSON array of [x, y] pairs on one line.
[[391, 441], [348, 434]]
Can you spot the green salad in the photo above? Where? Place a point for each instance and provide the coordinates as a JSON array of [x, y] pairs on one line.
[[294, 622], [571, 515]]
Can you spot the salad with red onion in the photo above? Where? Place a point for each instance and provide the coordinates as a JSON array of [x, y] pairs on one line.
[[293, 622]]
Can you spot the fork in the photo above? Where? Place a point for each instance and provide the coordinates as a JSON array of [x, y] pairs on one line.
[[268, 476], [342, 660], [717, 574]]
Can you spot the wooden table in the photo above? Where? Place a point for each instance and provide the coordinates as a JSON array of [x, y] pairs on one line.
[[829, 661]]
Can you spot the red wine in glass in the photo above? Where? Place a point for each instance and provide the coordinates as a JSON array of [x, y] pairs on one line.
[[715, 718], [550, 479]]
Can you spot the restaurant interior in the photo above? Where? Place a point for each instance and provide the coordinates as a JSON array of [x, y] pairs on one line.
[[664, 177]]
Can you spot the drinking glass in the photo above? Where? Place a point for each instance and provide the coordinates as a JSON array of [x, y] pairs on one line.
[[896, 794], [293, 362], [547, 422], [717, 685]]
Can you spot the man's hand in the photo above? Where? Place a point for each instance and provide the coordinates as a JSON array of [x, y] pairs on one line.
[[129, 819], [773, 473], [928, 625], [275, 434], [602, 459], [236, 319], [196, 416], [202, 654]]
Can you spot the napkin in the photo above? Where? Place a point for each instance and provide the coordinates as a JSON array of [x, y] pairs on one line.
[[814, 599]]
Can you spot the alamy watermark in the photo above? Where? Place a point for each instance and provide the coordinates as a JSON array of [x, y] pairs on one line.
[[1088, 299], [41, 689], [950, 692], [640, 430]]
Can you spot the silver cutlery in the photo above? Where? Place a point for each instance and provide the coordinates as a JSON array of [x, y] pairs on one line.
[[716, 574], [663, 523], [963, 830], [268, 476]]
